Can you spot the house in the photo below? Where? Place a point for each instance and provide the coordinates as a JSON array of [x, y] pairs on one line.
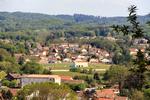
[[106, 61], [12, 76], [105, 94], [81, 57], [121, 98], [80, 63], [110, 38], [33, 78], [140, 41], [84, 51], [74, 45], [43, 60], [133, 51], [44, 53], [70, 80], [36, 78], [94, 60], [65, 50], [63, 78], [67, 60], [108, 94]]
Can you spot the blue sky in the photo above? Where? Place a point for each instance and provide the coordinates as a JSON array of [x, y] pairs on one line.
[[91, 7]]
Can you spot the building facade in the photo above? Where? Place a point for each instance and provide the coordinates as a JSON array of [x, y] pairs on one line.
[[28, 79]]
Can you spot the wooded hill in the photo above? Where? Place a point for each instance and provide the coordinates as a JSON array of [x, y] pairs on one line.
[[23, 21]]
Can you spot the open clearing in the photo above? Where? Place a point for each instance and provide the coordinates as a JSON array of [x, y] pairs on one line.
[[66, 66]]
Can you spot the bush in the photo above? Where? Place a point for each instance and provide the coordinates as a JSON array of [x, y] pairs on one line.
[[77, 87], [6, 94], [124, 92], [47, 71], [5, 82], [75, 70], [11, 84], [84, 71], [137, 95], [147, 94]]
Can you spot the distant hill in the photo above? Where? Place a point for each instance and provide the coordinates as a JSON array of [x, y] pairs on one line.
[[22, 21], [80, 18]]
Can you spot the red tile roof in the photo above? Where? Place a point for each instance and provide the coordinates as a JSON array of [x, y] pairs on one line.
[[66, 78], [105, 93], [121, 98], [103, 99], [108, 94]]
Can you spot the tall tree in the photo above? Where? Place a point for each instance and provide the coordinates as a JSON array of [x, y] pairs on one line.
[[117, 74], [135, 30]]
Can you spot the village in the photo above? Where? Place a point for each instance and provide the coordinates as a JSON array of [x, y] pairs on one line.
[[75, 56]]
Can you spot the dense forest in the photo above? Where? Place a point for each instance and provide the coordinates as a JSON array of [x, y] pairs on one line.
[[41, 27], [22, 21]]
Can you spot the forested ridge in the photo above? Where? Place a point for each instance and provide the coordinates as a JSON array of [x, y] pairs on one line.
[[22, 21]]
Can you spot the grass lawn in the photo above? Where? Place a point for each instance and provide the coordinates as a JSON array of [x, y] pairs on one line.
[[66, 66], [72, 74], [99, 66], [58, 66]]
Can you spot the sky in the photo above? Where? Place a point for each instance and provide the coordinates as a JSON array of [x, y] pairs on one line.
[[103, 8]]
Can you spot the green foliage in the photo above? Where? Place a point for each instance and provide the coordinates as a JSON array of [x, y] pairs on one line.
[[5, 82], [7, 62], [125, 92], [75, 69], [121, 57], [134, 29], [21, 60], [9, 47], [11, 84], [96, 76], [46, 71], [6, 94], [116, 73], [137, 79], [137, 95], [77, 87], [32, 68], [147, 93], [47, 90], [2, 75], [102, 43]]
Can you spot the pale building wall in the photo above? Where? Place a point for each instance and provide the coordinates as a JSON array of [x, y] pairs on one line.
[[81, 64], [29, 80]]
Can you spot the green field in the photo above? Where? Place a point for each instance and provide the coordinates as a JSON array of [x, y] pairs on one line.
[[58, 66], [70, 73], [99, 66], [66, 66]]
